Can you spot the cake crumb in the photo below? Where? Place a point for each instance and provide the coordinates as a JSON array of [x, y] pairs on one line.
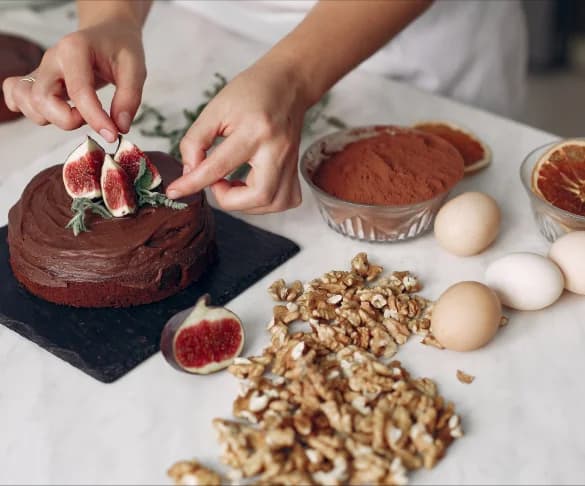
[[464, 377]]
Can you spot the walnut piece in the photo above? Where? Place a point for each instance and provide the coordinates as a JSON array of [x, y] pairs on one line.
[[464, 377], [318, 406], [431, 340], [193, 474]]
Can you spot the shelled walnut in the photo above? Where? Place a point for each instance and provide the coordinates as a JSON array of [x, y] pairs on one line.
[[318, 406]]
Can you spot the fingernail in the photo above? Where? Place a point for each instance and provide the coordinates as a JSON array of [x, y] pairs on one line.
[[107, 135], [172, 194], [124, 121], [187, 169]]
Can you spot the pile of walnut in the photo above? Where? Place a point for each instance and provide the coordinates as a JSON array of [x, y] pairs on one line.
[[318, 407]]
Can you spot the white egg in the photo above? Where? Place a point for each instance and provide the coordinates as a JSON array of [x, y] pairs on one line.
[[525, 281], [568, 252]]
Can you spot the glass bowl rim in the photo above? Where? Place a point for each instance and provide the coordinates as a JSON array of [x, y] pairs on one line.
[[528, 188], [331, 198]]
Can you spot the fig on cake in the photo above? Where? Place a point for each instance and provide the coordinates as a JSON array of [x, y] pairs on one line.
[[117, 189], [129, 157], [82, 170]]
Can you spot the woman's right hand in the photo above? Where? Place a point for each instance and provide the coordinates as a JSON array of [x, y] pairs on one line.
[[73, 69]]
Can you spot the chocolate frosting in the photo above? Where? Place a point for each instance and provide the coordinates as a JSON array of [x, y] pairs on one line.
[[135, 250]]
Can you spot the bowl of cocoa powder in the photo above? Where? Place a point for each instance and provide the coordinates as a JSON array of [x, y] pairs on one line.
[[381, 183]]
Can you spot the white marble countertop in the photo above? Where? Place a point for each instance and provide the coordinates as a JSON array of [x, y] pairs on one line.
[[523, 416]]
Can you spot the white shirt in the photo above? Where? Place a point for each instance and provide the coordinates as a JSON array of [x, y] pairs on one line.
[[474, 51]]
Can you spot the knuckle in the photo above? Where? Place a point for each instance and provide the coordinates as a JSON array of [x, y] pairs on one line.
[[7, 85], [36, 98], [48, 56], [8, 96], [70, 43], [296, 201], [264, 126], [262, 198], [281, 206], [67, 124], [76, 91], [186, 144], [217, 170]]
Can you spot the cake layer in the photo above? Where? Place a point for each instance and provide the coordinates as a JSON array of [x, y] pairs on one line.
[[137, 259]]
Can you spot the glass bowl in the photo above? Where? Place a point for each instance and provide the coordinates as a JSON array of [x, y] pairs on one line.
[[552, 222], [364, 221]]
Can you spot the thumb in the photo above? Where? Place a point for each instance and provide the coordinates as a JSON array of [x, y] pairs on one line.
[[129, 79]]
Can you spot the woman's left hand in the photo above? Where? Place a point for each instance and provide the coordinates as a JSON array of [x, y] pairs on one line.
[[261, 115]]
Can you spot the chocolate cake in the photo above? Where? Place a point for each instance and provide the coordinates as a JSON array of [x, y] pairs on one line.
[[119, 262]]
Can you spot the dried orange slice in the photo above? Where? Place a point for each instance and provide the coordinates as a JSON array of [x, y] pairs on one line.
[[559, 176], [475, 153]]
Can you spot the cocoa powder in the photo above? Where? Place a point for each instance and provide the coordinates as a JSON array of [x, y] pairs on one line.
[[404, 166]]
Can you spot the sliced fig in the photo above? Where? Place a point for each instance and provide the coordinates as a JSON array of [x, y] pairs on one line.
[[128, 156], [207, 340], [82, 169], [117, 189]]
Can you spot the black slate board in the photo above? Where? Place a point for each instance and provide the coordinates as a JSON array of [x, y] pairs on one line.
[[107, 343]]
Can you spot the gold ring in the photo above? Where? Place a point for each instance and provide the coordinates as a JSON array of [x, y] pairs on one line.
[[28, 79]]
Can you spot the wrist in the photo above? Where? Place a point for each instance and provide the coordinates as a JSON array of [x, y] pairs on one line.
[[131, 14], [295, 74]]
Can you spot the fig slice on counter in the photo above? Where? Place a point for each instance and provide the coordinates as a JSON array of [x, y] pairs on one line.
[[129, 156], [559, 176], [476, 154], [117, 189], [82, 169], [207, 340]]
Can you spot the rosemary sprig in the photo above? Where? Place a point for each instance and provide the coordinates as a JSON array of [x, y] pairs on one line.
[[145, 196], [149, 112], [79, 206]]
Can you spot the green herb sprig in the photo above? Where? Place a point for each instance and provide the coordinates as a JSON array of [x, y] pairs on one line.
[[79, 206], [146, 196]]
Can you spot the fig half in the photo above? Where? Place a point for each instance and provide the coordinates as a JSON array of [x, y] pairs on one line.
[[117, 189], [128, 156], [82, 169], [207, 340]]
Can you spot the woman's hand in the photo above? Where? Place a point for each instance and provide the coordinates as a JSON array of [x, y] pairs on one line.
[[79, 64], [261, 115]]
